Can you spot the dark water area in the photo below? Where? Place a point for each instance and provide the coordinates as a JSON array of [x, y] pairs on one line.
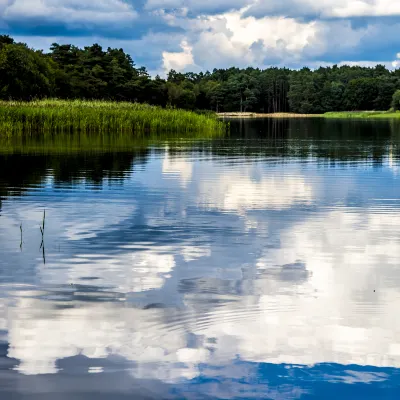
[[261, 265]]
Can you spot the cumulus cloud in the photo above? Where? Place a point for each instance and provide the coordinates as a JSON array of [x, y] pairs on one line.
[[238, 39], [228, 39], [178, 61]]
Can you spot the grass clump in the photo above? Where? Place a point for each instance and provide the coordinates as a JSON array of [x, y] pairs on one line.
[[99, 117]]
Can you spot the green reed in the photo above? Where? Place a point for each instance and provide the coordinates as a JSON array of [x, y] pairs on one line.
[[17, 118]]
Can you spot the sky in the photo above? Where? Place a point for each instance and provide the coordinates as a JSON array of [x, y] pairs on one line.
[[192, 35]]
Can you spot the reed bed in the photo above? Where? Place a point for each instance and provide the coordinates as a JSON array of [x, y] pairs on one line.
[[100, 116]]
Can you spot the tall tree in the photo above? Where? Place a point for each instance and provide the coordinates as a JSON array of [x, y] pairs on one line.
[[25, 74]]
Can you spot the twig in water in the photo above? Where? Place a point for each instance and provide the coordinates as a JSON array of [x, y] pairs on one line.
[[20, 245], [43, 254], [42, 231], [44, 219]]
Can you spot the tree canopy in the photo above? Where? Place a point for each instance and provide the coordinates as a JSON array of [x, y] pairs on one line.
[[70, 72]]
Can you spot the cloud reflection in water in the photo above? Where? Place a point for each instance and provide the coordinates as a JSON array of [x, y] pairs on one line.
[[247, 268]]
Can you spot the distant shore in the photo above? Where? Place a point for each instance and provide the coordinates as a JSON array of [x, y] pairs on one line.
[[338, 115], [266, 115], [363, 115]]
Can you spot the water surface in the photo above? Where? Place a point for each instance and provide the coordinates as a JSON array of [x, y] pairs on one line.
[[262, 265]]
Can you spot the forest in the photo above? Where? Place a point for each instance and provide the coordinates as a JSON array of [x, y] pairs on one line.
[[69, 72]]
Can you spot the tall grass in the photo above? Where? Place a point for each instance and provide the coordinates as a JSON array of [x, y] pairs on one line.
[[100, 116]]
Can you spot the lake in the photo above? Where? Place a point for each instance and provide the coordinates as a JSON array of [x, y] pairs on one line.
[[261, 265]]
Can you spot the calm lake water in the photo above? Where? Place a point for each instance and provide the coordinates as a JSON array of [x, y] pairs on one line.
[[261, 265]]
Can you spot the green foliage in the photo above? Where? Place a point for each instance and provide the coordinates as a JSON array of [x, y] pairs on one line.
[[303, 92], [360, 94], [24, 73], [100, 116], [341, 89], [396, 100], [5, 39], [362, 114]]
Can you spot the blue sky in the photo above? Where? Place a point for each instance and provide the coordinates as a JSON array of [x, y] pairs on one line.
[[192, 35]]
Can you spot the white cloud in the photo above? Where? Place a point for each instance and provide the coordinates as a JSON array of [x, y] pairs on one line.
[[134, 270], [237, 192], [192, 253], [332, 317], [178, 61], [363, 8], [177, 168], [227, 39], [130, 272], [96, 331]]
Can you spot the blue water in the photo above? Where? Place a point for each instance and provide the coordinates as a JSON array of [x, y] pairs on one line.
[[264, 265]]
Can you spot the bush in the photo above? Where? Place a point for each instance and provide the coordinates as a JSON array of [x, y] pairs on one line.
[[396, 100]]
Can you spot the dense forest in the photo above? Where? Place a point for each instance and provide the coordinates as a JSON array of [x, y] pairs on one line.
[[68, 72]]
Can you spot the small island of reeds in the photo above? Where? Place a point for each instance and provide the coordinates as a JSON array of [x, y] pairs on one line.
[[102, 116]]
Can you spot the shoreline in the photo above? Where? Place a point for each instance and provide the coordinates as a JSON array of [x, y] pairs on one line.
[[267, 115], [328, 115]]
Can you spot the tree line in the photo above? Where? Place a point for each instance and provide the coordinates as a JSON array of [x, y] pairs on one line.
[[69, 72]]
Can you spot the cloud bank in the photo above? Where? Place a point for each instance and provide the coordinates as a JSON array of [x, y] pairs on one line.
[[191, 35]]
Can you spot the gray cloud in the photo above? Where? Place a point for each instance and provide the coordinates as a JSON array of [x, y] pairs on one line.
[[326, 9], [288, 9], [79, 18], [194, 7]]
